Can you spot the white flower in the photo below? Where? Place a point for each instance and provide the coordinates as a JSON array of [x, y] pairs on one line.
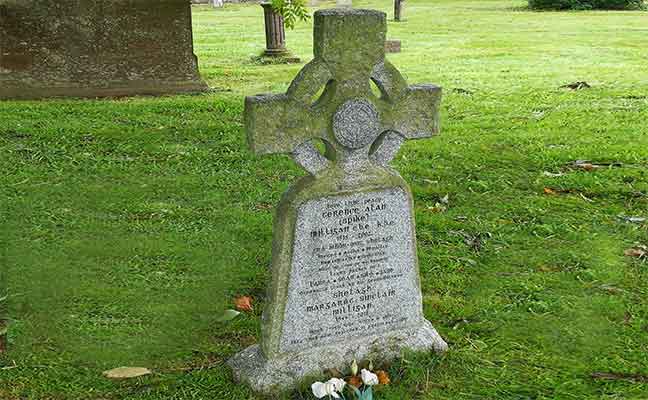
[[354, 368], [324, 389], [368, 378], [338, 384]]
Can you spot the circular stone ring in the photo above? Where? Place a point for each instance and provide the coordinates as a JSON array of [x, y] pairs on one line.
[[356, 123]]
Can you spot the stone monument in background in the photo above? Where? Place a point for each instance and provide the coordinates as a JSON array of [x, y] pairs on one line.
[[345, 277], [88, 48]]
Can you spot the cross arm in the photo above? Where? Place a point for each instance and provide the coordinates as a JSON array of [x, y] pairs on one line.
[[277, 123], [416, 113], [411, 111]]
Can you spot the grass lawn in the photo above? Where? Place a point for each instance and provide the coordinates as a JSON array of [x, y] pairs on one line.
[[129, 225]]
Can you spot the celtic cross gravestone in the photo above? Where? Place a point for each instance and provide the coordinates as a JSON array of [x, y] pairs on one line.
[[345, 281]]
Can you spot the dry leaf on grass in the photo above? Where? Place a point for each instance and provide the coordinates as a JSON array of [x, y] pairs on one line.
[[588, 165], [614, 376], [551, 174], [383, 377], [549, 191], [576, 85], [639, 251], [634, 220], [243, 303], [355, 381], [126, 372], [437, 208]]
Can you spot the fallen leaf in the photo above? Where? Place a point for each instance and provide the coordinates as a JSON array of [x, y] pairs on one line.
[[611, 289], [634, 220], [264, 206], [586, 166], [243, 303], [551, 174], [548, 268], [437, 208], [549, 191], [354, 381], [639, 251], [383, 377], [576, 85], [228, 315], [126, 372], [613, 376]]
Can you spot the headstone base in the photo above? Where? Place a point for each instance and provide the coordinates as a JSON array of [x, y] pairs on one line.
[[275, 52], [127, 88], [268, 376]]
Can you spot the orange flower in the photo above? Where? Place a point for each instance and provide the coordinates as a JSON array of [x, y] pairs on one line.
[[243, 303], [354, 381], [383, 377]]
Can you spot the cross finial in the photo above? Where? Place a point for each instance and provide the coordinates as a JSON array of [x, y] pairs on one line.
[[357, 126]]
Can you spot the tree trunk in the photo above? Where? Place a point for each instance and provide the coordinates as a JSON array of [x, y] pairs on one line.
[[398, 8], [274, 31]]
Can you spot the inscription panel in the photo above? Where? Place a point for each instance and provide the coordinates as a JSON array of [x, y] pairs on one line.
[[353, 270]]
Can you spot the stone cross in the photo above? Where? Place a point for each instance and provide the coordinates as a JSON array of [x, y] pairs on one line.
[[348, 117], [345, 280]]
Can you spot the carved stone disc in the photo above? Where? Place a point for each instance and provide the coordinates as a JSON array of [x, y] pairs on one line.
[[356, 124]]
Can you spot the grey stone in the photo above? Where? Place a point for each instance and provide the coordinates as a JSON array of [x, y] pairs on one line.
[[393, 46], [344, 3], [356, 124], [86, 48], [345, 281]]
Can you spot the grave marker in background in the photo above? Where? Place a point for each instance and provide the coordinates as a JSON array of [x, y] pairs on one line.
[[345, 281], [87, 48]]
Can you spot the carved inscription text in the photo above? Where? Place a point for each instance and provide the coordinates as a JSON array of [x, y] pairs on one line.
[[354, 270]]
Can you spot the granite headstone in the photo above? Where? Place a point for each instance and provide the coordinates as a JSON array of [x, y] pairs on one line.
[[345, 279], [87, 48]]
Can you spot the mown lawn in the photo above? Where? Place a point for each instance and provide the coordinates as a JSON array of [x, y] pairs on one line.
[[129, 225]]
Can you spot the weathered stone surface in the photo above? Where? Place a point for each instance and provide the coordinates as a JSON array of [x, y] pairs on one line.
[[275, 32], [363, 239], [277, 374], [345, 281], [392, 46], [96, 48]]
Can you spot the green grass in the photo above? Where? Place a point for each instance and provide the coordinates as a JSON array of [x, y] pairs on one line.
[[129, 225]]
